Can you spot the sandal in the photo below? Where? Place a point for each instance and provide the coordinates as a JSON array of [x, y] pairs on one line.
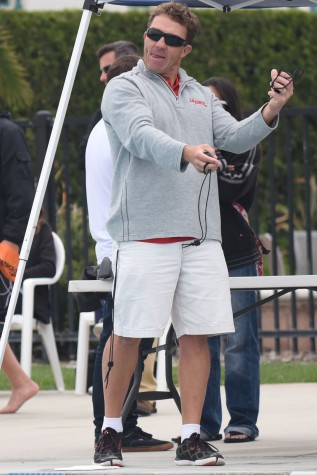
[[235, 437]]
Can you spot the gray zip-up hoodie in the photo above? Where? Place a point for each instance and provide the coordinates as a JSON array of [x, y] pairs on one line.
[[154, 194]]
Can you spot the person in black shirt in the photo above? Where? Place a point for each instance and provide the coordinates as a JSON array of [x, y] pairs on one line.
[[41, 263], [237, 181], [16, 197]]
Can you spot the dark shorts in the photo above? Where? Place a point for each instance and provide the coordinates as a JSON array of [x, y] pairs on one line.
[[5, 294]]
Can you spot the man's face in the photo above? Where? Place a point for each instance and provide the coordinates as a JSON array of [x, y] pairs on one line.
[[159, 57], [105, 62]]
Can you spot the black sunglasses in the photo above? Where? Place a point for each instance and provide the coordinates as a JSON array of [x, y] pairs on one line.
[[297, 74], [171, 40], [106, 69]]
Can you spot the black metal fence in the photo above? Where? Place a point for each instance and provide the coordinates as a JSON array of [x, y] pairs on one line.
[[286, 203]]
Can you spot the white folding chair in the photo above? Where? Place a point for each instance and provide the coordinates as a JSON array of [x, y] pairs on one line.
[[300, 251], [86, 321], [26, 323]]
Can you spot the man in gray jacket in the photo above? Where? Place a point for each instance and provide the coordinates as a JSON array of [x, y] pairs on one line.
[[163, 129]]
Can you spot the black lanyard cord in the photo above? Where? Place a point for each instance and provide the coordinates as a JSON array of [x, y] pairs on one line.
[[198, 242]]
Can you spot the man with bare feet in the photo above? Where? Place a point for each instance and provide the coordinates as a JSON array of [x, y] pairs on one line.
[[16, 196]]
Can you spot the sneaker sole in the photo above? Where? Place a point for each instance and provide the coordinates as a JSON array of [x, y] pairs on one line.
[[111, 463], [211, 461], [149, 448]]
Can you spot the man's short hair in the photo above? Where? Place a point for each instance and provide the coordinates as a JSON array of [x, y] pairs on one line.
[[180, 14], [122, 65], [120, 48]]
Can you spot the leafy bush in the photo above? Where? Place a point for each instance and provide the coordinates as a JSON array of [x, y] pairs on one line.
[[242, 45]]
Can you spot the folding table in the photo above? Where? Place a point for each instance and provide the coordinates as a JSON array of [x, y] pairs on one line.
[[279, 285]]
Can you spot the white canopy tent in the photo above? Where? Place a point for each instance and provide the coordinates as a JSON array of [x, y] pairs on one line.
[[90, 7], [224, 5]]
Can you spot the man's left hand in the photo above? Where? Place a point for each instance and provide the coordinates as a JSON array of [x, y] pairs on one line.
[[284, 89]]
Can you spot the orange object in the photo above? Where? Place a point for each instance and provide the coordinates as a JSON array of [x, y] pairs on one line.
[[9, 261]]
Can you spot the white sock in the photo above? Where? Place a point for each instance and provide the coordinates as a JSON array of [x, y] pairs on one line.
[[113, 422], [189, 429]]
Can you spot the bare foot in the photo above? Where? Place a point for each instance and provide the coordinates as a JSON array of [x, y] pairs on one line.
[[19, 397]]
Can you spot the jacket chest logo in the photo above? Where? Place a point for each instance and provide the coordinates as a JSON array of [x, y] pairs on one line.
[[198, 102]]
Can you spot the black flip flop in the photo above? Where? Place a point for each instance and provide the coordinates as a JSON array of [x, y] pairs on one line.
[[246, 438]]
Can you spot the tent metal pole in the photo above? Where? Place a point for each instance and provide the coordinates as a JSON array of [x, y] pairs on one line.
[[229, 8], [45, 173]]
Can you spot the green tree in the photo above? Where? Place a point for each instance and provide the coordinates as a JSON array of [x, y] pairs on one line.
[[15, 91]]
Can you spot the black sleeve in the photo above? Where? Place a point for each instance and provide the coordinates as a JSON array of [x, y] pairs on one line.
[[237, 177], [42, 259], [83, 143], [16, 187]]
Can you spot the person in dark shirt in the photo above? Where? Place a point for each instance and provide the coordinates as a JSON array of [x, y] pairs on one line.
[[16, 197], [237, 182], [41, 263]]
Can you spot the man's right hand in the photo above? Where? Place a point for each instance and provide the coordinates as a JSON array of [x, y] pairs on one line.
[[203, 157]]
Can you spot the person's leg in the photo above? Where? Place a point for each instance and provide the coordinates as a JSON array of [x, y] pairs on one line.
[[118, 364], [148, 383], [242, 365], [134, 439], [131, 420], [194, 368], [122, 356], [97, 393], [142, 288], [145, 284], [211, 417], [23, 388], [201, 307], [97, 383]]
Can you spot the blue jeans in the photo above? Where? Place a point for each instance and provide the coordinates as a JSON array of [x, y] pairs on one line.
[[242, 369], [97, 383]]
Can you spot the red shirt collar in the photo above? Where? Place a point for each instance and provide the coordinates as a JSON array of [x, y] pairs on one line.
[[175, 86]]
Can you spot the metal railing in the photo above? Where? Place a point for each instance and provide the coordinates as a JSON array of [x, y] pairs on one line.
[[286, 203]]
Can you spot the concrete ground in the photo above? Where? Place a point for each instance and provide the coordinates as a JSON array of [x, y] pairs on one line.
[[53, 433]]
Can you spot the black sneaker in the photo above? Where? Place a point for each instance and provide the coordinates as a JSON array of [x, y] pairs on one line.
[[135, 440], [194, 451], [203, 436], [108, 450]]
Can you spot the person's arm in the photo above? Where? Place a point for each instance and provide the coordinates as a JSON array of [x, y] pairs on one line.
[[16, 183], [239, 136], [277, 99], [98, 189], [139, 135], [83, 143], [128, 116]]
